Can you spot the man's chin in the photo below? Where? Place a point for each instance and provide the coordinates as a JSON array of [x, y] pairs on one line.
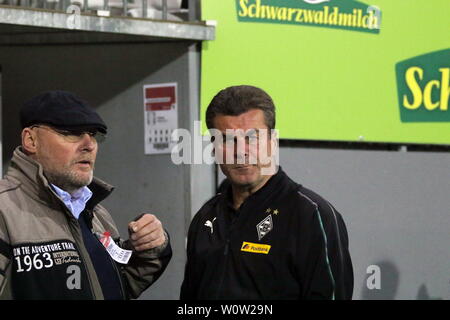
[[242, 180], [82, 182], [78, 181]]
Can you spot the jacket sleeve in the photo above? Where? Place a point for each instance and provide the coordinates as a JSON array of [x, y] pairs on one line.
[[328, 271], [5, 260], [145, 267], [188, 287], [6, 253], [342, 263], [193, 270]]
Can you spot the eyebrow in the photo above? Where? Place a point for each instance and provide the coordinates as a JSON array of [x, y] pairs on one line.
[[248, 132]]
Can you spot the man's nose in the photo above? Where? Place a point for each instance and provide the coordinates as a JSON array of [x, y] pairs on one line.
[[88, 142], [241, 148]]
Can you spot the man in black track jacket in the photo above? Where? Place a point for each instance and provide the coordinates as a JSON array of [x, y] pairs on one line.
[[264, 236]]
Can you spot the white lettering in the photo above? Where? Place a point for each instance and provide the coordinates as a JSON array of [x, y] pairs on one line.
[[374, 280]]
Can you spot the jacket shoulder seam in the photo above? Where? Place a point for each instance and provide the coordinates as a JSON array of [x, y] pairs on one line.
[[210, 202], [6, 186], [315, 199]]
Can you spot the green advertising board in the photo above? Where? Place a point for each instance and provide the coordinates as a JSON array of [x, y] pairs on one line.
[[338, 70]]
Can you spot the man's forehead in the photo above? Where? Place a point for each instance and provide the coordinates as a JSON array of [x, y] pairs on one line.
[[252, 119]]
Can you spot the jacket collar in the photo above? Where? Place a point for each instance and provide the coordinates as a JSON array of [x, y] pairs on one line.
[[30, 175]]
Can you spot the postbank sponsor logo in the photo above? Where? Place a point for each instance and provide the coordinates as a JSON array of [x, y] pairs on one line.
[[255, 247], [341, 14], [423, 85]]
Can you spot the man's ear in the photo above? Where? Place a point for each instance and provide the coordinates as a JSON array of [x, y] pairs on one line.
[[29, 143]]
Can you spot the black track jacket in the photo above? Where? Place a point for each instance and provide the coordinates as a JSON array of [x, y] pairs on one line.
[[284, 242]]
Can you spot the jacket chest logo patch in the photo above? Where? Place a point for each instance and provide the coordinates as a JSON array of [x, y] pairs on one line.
[[255, 247], [264, 227], [209, 224]]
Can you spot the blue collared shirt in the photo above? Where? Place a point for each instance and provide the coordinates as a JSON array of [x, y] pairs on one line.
[[76, 202]]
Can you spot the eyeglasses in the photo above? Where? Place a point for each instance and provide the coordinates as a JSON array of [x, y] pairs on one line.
[[75, 135]]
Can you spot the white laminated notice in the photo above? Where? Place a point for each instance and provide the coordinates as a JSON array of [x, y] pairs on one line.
[[117, 253], [160, 117]]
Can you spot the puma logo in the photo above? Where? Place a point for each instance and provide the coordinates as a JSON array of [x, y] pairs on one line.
[[210, 224]]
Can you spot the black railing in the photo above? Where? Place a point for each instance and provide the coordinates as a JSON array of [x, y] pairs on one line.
[[151, 9]]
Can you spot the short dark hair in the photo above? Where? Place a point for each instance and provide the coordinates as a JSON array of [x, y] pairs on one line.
[[235, 100]]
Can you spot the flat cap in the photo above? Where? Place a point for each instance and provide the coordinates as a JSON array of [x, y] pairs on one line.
[[60, 109]]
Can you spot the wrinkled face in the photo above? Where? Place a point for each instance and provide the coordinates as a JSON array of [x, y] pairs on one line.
[[245, 149], [68, 160]]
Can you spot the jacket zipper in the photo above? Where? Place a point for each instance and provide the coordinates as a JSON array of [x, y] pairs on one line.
[[222, 278], [226, 252], [227, 245]]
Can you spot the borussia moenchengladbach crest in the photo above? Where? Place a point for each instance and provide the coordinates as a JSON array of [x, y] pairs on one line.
[[264, 227]]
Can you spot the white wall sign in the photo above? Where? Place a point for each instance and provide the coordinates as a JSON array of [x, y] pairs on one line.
[[161, 117]]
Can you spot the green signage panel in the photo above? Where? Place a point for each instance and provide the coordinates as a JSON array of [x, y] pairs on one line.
[[338, 70], [423, 87]]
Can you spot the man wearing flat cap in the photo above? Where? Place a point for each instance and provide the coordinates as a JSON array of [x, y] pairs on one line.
[[56, 240]]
